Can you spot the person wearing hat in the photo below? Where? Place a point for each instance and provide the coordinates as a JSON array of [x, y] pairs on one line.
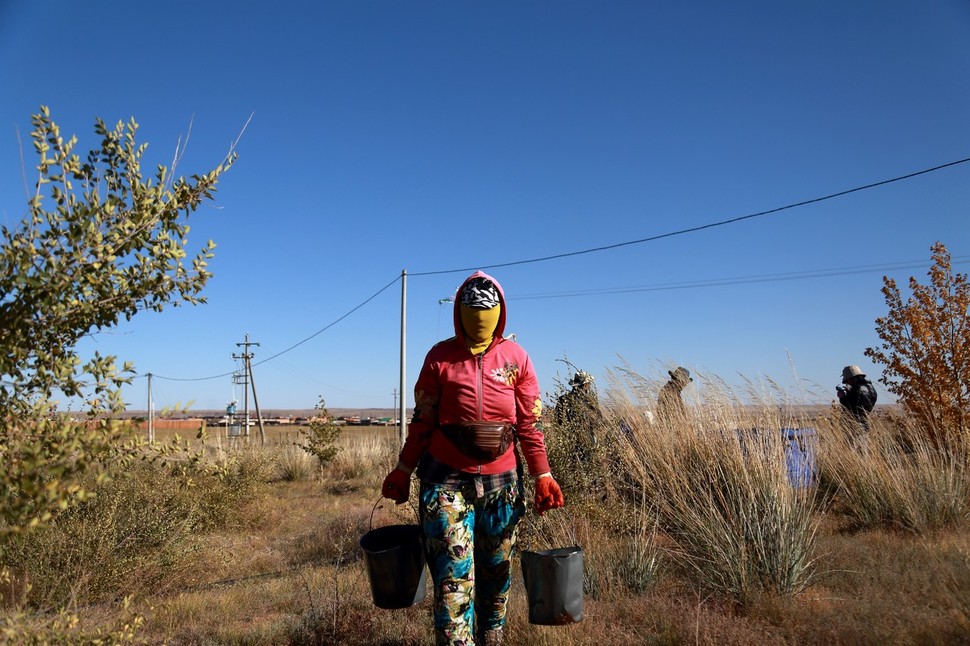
[[475, 399], [857, 395], [670, 407], [581, 379], [578, 419], [579, 406]]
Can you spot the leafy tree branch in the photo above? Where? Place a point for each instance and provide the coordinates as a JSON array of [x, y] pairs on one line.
[[99, 243]]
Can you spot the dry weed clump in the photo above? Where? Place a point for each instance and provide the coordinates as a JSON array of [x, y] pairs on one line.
[[238, 474], [67, 628], [337, 610], [721, 485], [295, 464], [367, 458], [896, 476], [133, 535], [332, 541], [124, 538]]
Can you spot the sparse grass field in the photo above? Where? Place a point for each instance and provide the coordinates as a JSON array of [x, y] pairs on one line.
[[688, 536]]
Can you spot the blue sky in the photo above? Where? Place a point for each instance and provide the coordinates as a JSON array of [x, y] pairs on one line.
[[432, 136]]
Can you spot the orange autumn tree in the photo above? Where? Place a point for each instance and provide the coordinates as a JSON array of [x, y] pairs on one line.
[[926, 349]]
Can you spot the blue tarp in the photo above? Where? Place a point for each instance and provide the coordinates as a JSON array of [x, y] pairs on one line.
[[800, 455]]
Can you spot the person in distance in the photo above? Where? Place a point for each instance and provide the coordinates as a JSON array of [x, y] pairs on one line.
[[670, 407], [857, 395]]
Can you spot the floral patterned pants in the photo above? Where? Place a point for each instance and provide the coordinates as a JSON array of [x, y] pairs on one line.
[[469, 538]]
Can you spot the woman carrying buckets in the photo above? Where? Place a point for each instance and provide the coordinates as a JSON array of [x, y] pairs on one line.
[[476, 397]]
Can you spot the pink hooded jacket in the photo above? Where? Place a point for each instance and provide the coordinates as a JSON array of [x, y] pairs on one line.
[[456, 386]]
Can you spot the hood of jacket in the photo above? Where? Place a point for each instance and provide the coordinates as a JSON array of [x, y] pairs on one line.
[[456, 312]]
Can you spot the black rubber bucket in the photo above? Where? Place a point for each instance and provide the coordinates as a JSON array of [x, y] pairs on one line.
[[554, 585], [394, 559]]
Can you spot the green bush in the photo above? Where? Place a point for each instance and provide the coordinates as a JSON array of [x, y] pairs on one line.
[[581, 446], [131, 535], [65, 629], [99, 243], [320, 440]]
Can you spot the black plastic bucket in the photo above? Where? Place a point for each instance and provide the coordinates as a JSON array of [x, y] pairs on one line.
[[394, 559], [554, 585]]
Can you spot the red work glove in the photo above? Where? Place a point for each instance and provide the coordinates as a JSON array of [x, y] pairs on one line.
[[397, 486], [548, 494]]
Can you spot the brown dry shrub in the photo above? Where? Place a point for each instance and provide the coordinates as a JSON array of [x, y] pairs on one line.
[[925, 349]]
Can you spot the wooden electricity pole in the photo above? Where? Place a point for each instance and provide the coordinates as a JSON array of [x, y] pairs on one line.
[[402, 429], [151, 412], [246, 356]]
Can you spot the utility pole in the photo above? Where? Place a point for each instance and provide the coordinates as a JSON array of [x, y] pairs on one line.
[[151, 412], [394, 408], [402, 428], [242, 378], [259, 416], [246, 356]]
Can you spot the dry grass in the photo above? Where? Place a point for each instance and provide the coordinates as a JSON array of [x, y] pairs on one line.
[[895, 477], [720, 483], [714, 547], [295, 464]]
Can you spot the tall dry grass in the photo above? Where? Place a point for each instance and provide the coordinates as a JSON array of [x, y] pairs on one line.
[[365, 456], [894, 475], [294, 464], [720, 482]]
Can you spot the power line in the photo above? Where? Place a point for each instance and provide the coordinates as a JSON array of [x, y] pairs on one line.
[[701, 227], [737, 280], [718, 282], [295, 345], [670, 286], [327, 327]]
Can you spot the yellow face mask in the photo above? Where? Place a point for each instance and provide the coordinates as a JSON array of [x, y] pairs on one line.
[[479, 326]]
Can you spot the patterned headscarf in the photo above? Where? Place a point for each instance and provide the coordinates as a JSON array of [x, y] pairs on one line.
[[479, 293]]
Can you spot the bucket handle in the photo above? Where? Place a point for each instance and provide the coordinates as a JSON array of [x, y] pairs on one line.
[[572, 526], [371, 523], [378, 504]]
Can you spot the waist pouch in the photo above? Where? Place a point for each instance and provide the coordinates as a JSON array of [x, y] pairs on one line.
[[480, 440]]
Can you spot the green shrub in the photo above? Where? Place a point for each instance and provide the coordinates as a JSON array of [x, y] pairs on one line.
[[99, 243], [64, 628], [320, 440], [49, 463], [581, 444], [133, 532]]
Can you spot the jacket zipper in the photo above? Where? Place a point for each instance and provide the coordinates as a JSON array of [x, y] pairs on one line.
[[481, 393], [481, 388]]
